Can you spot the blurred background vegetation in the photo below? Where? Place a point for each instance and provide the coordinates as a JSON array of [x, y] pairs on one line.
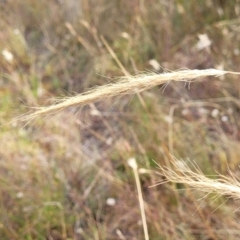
[[66, 177]]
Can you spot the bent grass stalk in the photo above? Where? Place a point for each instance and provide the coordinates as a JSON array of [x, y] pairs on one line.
[[126, 85]]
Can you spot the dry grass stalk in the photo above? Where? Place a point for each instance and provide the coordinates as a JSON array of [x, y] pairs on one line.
[[127, 85], [133, 164], [222, 185]]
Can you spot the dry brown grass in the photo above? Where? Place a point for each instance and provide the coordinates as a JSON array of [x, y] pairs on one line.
[[128, 85], [181, 173], [67, 177], [133, 85]]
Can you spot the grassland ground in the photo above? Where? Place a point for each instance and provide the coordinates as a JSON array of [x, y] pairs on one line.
[[66, 176]]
